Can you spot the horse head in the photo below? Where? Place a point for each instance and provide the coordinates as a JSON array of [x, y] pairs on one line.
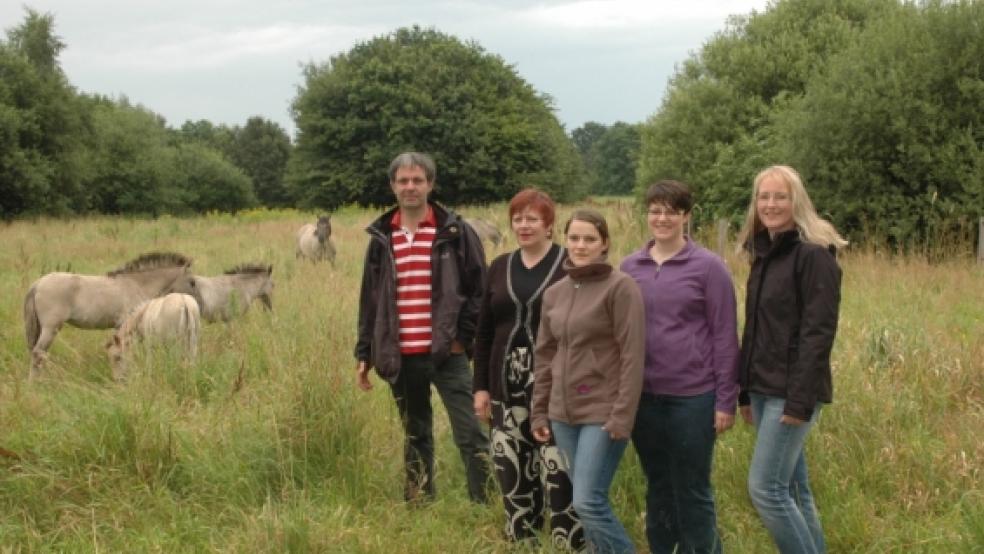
[[260, 284], [323, 228]]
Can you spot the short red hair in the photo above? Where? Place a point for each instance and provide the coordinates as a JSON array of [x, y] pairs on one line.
[[536, 200]]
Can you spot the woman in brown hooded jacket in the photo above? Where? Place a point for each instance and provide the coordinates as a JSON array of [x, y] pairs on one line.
[[590, 351]]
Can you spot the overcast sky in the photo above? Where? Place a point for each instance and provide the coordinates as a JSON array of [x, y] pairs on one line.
[[227, 60]]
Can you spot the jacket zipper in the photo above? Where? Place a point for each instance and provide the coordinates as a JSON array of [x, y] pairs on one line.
[[567, 350]]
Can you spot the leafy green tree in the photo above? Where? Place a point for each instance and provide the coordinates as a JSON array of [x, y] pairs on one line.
[[209, 181], [713, 129], [584, 138], [41, 123], [261, 149], [132, 166], [490, 132], [615, 156], [903, 153]]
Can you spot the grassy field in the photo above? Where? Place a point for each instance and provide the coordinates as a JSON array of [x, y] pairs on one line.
[[265, 445]]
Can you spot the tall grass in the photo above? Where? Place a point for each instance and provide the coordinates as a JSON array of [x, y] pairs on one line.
[[265, 445]]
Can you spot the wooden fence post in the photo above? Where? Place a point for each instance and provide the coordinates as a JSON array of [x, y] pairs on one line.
[[980, 241], [722, 236]]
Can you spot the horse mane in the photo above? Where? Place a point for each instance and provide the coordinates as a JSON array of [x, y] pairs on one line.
[[248, 268], [152, 260]]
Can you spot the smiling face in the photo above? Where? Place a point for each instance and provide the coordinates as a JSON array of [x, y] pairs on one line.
[[774, 204], [411, 187], [666, 224], [530, 228], [584, 243]]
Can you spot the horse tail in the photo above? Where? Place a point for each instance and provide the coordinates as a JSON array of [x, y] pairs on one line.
[[194, 315], [32, 325]]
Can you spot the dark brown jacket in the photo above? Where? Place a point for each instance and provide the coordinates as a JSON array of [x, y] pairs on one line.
[[500, 319], [791, 311], [590, 350], [458, 273]]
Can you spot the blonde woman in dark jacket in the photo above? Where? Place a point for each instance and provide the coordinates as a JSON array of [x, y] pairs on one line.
[[791, 311], [590, 352]]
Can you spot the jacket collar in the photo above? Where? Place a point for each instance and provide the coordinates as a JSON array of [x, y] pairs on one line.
[[443, 218], [594, 271], [765, 246], [642, 256]]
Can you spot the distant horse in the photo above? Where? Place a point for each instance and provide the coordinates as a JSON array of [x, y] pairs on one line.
[[158, 321], [314, 241], [229, 295], [485, 230], [97, 301]]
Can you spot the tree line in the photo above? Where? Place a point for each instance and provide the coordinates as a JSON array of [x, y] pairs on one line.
[[878, 103]]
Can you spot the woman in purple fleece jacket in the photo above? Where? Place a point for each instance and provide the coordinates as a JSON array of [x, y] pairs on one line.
[[690, 385]]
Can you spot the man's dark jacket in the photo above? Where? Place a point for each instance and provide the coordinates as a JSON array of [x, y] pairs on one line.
[[457, 276], [791, 310]]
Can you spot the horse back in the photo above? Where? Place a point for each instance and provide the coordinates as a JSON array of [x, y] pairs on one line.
[[86, 301]]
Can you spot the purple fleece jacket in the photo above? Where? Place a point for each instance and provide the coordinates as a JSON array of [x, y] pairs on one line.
[[691, 324]]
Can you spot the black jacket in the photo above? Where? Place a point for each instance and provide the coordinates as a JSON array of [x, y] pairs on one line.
[[501, 319], [791, 310], [458, 273]]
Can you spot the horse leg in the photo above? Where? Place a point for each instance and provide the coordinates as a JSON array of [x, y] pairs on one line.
[[120, 371], [39, 353]]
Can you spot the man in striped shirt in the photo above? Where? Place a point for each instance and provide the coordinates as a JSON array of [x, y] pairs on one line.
[[418, 310]]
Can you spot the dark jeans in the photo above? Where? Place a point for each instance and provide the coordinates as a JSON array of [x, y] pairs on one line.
[[674, 437], [412, 391]]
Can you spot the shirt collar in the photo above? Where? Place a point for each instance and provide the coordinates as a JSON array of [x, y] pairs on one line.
[[430, 220]]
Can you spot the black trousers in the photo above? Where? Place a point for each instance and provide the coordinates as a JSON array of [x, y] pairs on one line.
[[412, 392]]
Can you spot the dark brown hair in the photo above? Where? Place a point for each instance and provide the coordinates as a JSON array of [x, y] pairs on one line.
[[671, 193]]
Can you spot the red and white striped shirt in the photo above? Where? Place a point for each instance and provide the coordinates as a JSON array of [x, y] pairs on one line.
[[412, 252]]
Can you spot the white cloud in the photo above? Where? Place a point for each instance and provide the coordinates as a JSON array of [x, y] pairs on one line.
[[627, 14], [196, 48]]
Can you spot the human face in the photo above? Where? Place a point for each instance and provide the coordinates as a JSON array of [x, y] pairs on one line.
[[774, 205], [584, 243], [411, 187], [530, 228], [665, 223]]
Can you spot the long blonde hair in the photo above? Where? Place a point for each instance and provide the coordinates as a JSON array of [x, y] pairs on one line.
[[811, 227]]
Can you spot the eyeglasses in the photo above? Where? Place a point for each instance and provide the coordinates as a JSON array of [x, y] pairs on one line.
[[660, 212]]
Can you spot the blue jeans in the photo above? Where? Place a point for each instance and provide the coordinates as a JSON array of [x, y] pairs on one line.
[[674, 437], [592, 458], [778, 482]]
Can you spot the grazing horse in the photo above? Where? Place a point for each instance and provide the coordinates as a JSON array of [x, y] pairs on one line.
[[97, 301], [229, 295], [314, 241], [485, 230], [174, 317]]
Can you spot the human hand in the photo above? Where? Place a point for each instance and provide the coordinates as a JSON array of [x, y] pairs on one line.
[[482, 405], [746, 414], [541, 434], [615, 435], [790, 420], [723, 421], [457, 347], [362, 376]]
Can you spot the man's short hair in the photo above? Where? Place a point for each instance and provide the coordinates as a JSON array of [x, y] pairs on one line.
[[411, 159]]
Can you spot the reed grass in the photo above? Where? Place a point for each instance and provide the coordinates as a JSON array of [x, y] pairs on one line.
[[265, 445]]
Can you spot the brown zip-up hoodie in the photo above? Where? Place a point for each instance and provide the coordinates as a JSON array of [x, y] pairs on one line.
[[590, 350]]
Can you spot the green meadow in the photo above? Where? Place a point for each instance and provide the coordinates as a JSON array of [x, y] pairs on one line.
[[264, 444]]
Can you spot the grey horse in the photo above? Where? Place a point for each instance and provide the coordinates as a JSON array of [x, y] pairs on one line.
[[98, 301], [229, 295], [314, 241]]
